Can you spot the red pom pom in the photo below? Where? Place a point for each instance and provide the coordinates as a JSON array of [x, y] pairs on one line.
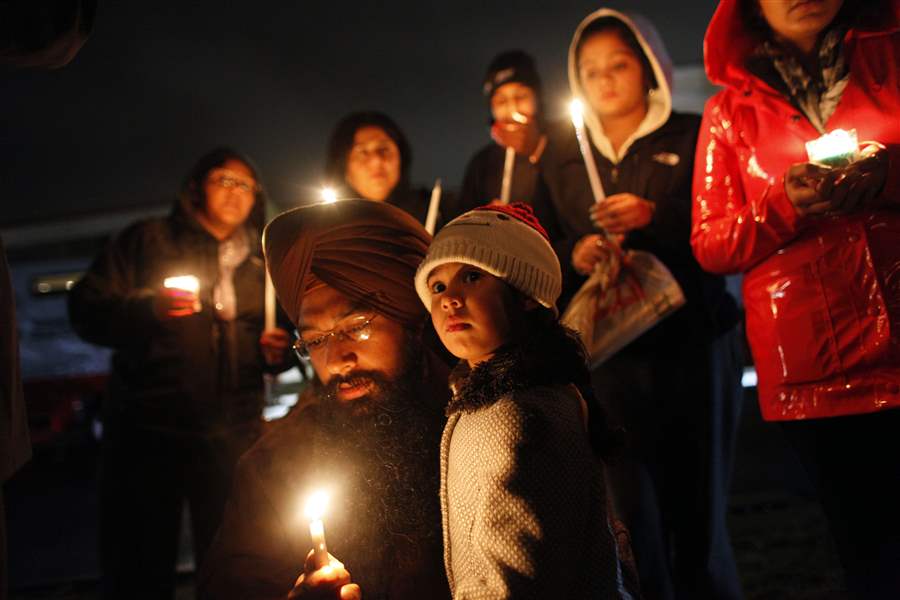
[[521, 211]]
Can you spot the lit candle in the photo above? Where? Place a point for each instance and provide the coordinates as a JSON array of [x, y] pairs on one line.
[[509, 163], [433, 205], [835, 149], [329, 196], [577, 111], [315, 510], [185, 283]]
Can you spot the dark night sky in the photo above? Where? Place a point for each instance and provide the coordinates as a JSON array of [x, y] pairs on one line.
[[158, 84]]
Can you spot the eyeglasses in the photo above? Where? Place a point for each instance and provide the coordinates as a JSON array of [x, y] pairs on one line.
[[226, 182], [357, 328]]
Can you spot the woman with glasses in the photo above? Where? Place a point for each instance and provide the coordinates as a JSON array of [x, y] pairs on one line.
[[180, 301], [369, 157]]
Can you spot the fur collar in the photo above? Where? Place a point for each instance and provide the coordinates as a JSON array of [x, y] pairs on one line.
[[553, 357]]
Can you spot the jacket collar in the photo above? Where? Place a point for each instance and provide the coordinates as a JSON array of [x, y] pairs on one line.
[[548, 358]]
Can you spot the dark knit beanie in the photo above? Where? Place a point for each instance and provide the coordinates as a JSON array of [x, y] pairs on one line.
[[511, 66]]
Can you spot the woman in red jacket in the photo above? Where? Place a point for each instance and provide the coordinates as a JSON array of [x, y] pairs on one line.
[[819, 248]]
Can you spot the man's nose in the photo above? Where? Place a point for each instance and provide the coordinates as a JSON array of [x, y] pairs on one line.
[[340, 355]]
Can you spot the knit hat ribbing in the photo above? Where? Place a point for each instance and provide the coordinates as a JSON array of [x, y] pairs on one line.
[[506, 242]]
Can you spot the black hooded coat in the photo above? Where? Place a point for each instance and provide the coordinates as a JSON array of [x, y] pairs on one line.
[[194, 374]]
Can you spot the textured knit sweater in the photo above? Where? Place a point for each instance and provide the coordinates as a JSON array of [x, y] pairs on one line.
[[522, 496]]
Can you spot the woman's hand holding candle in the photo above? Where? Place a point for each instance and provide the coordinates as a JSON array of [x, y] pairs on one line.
[[174, 303], [620, 213], [857, 184], [330, 582], [801, 184]]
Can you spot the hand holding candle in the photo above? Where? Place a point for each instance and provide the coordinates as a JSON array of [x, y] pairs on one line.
[[177, 298], [842, 174]]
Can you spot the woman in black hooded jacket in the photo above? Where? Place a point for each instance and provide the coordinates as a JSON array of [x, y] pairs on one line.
[[186, 388]]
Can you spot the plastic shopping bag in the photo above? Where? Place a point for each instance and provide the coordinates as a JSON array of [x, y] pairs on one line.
[[620, 301]]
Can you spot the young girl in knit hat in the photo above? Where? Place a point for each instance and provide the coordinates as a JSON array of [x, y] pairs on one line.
[[522, 493]]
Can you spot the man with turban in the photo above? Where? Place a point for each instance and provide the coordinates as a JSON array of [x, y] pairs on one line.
[[344, 274]]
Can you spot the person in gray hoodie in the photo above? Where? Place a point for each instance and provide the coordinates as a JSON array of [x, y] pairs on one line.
[[675, 390]]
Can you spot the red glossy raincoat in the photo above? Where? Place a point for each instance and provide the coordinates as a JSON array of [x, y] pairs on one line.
[[822, 294]]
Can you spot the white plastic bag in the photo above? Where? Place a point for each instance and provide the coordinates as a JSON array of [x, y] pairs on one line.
[[620, 301]]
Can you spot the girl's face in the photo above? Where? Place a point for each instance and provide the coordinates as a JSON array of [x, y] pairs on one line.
[[612, 76], [470, 311]]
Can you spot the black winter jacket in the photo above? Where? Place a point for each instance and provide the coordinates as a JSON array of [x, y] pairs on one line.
[[193, 374], [659, 168]]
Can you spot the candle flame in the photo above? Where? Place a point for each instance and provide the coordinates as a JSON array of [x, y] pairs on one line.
[[316, 504], [329, 196], [576, 109], [188, 283], [834, 147]]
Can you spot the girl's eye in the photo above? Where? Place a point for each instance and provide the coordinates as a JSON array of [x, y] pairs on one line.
[[472, 276], [437, 287]]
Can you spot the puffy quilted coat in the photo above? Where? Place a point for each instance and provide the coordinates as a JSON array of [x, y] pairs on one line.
[[822, 294]]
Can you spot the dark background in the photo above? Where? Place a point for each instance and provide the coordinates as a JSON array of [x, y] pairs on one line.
[[159, 84]]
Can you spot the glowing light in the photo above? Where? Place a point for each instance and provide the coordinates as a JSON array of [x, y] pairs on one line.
[[188, 283], [576, 109], [329, 196], [837, 148], [316, 505]]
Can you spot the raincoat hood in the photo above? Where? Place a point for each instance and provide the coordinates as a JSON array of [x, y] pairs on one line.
[[728, 42], [659, 106]]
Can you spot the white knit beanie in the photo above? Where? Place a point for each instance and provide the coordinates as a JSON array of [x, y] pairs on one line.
[[506, 241]]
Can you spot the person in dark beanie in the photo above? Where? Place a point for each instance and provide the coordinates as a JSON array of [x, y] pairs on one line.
[[186, 388], [369, 157], [512, 88]]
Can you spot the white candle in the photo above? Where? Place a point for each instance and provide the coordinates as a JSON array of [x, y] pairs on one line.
[[186, 283], [315, 510], [577, 111], [837, 148], [433, 205], [506, 184], [269, 302]]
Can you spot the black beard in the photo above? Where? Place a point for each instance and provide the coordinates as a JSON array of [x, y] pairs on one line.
[[387, 457]]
